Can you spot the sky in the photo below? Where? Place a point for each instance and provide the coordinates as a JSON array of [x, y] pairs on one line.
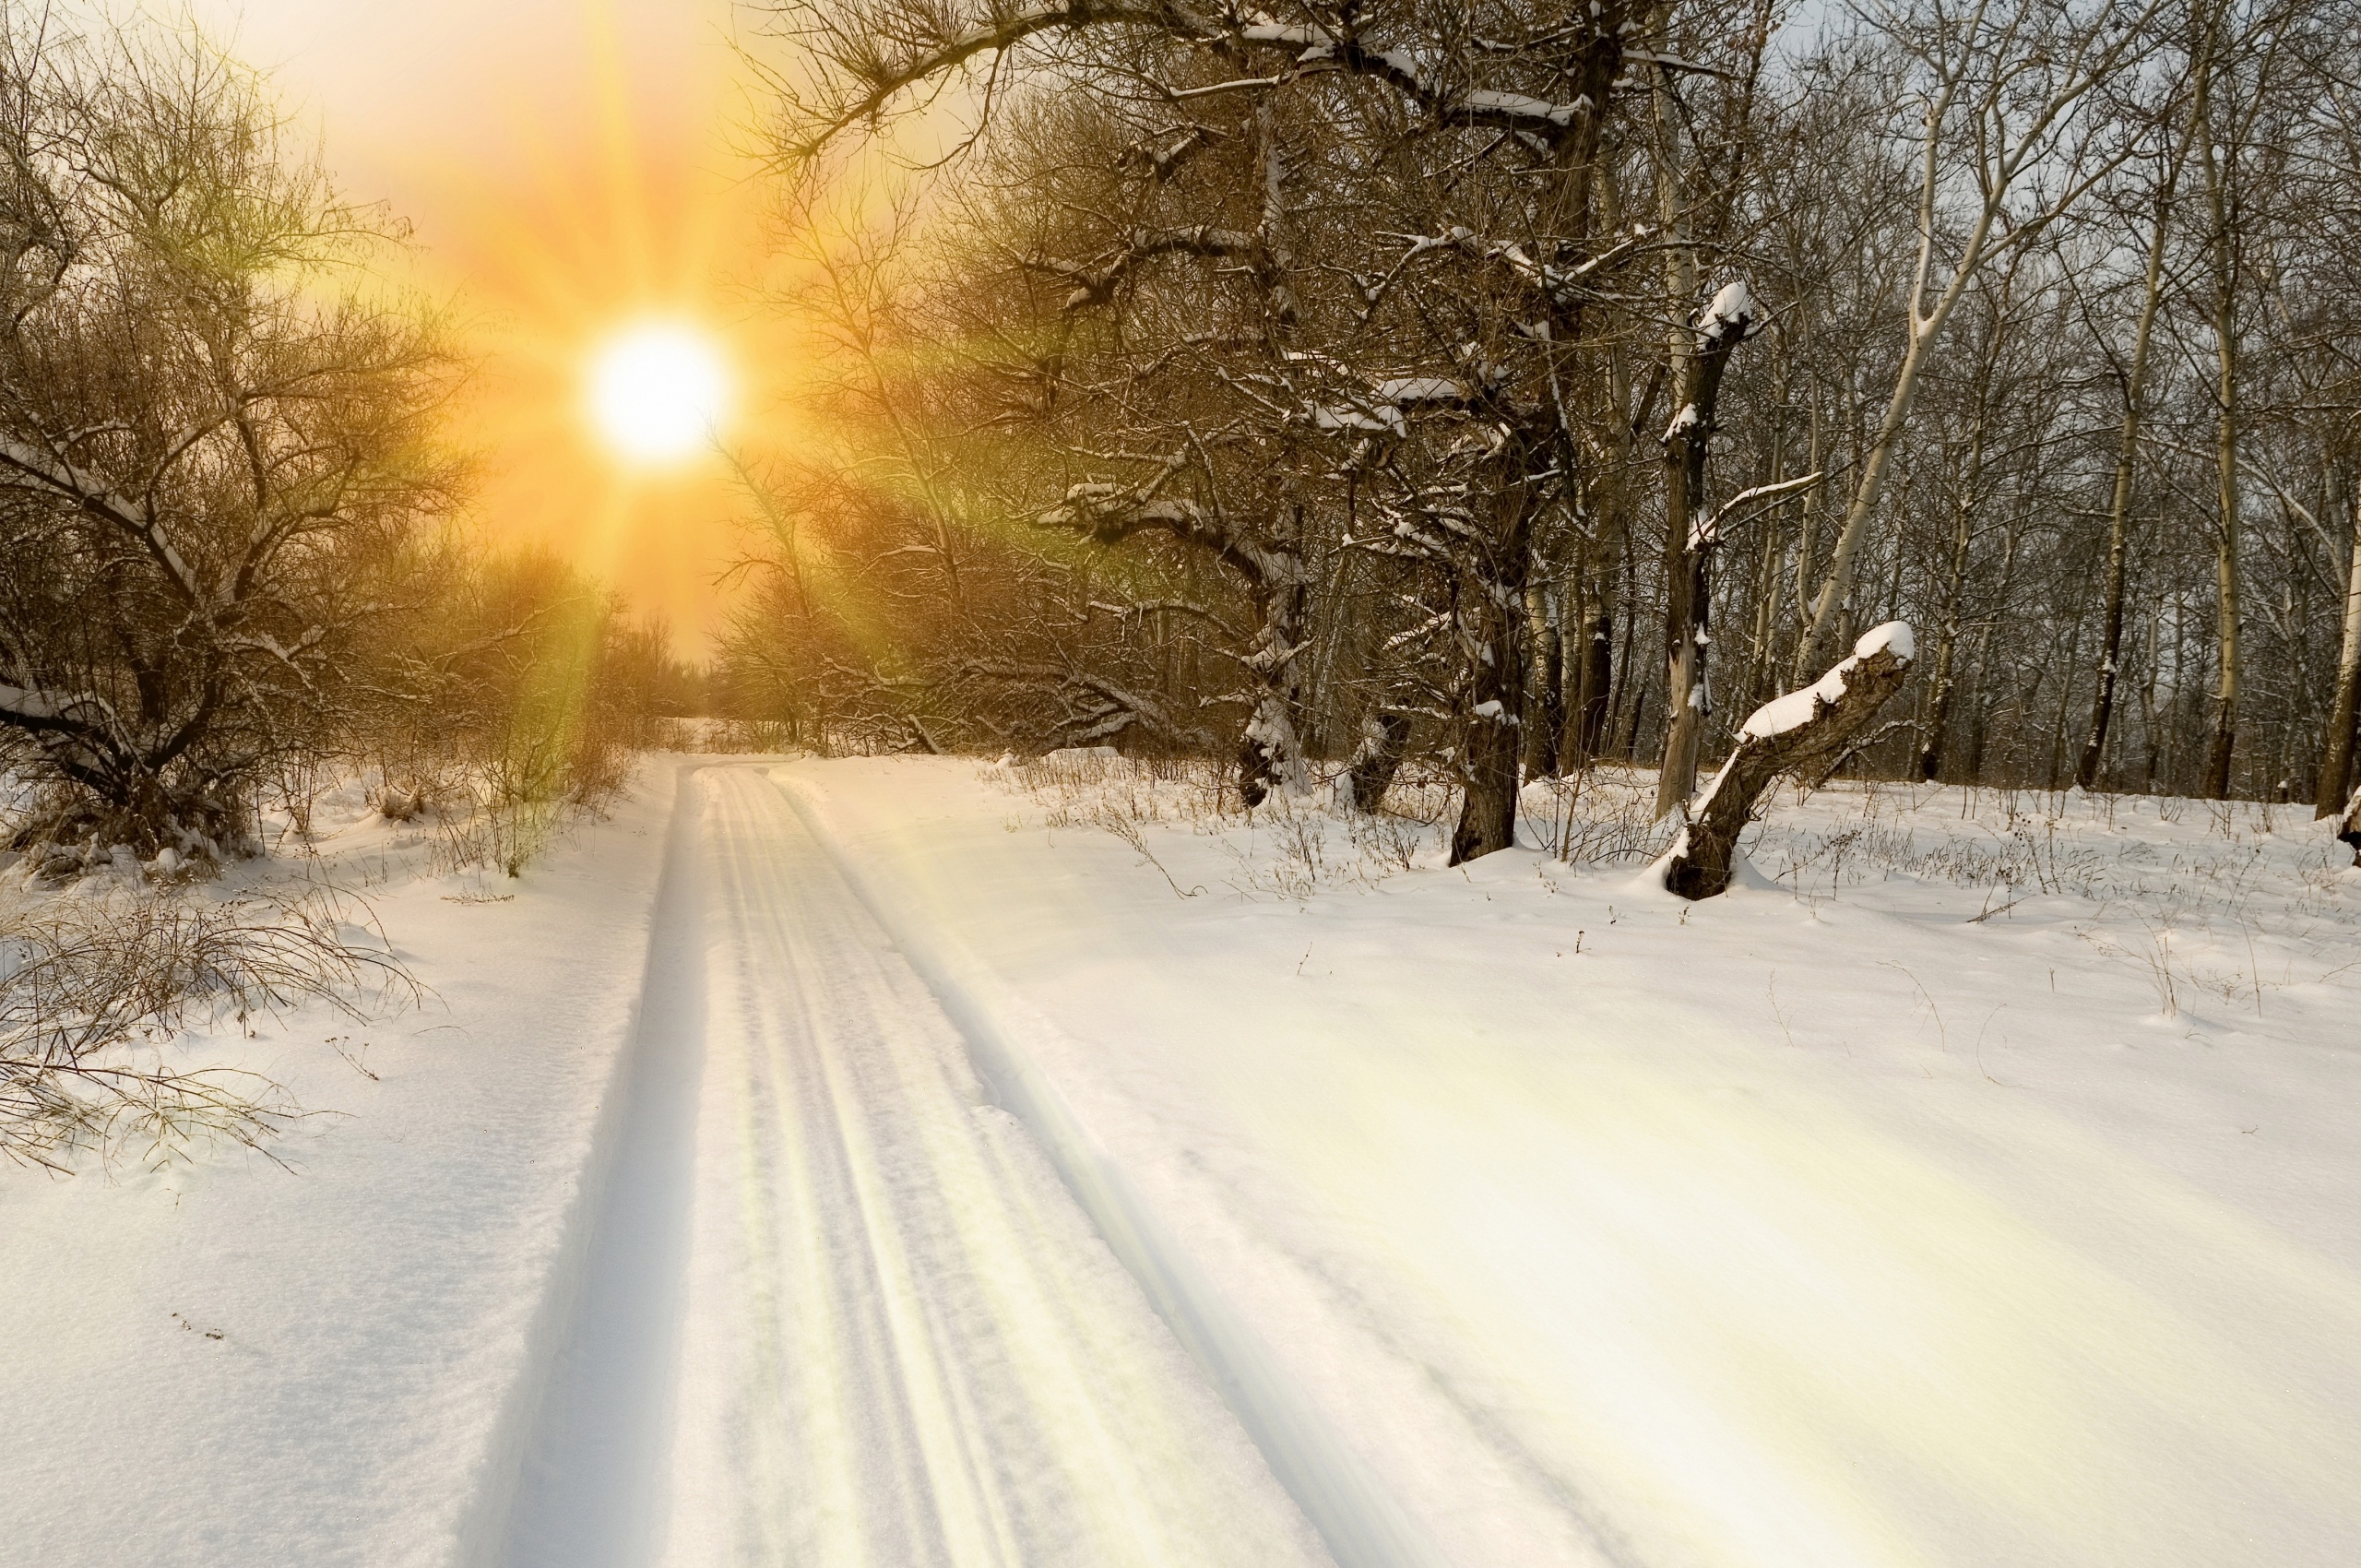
[[571, 168]]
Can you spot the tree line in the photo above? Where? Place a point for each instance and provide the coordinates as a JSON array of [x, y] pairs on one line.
[[1519, 385]]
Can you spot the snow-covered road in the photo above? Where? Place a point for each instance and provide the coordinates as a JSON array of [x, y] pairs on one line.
[[874, 1162], [896, 1341]]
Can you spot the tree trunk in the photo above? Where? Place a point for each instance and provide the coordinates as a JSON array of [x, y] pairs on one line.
[[1546, 711], [1805, 733], [1938, 688], [1270, 751], [2226, 444], [1691, 539], [1588, 665], [2345, 712], [1687, 579], [1490, 620], [2086, 769], [1590, 718], [1385, 740]]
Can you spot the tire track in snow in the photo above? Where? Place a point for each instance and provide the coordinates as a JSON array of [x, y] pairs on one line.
[[882, 1335], [1358, 1520]]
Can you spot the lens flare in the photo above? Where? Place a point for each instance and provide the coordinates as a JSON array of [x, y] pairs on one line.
[[657, 393]]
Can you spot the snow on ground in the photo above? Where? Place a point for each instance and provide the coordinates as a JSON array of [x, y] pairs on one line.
[[226, 1364], [910, 1162], [1982, 1192], [903, 1345], [676, 1229]]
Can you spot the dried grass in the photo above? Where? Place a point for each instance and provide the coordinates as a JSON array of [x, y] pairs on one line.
[[96, 994]]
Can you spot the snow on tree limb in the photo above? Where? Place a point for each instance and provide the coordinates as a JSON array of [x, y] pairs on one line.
[[1109, 514], [931, 47], [1792, 734]]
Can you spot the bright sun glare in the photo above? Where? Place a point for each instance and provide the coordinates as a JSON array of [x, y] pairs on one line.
[[657, 392]]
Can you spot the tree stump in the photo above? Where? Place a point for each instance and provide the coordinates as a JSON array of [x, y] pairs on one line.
[[1803, 733]]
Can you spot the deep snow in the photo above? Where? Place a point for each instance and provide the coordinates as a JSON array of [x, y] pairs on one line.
[[1032, 1165], [1827, 1230]]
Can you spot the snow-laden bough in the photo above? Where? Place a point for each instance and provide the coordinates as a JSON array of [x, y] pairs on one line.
[[1804, 732]]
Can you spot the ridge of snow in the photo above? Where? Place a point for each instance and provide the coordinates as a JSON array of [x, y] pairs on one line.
[[1796, 708]]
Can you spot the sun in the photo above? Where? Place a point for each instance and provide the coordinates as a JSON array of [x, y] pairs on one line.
[[657, 392]]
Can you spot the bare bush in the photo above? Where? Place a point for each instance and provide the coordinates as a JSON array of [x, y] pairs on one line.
[[94, 994], [214, 435], [517, 695]]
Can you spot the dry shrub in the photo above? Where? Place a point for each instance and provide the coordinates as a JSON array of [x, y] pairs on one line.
[[94, 993], [1289, 847], [523, 694], [1602, 816]]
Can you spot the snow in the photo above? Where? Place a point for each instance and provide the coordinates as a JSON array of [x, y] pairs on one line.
[[1789, 1229], [225, 1363], [1518, 104], [1734, 303], [846, 1312], [579, 1277], [1421, 389], [878, 1161], [1384, 415], [1794, 708], [1894, 636]]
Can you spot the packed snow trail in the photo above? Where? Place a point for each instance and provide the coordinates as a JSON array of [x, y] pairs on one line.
[[898, 1342], [581, 1501]]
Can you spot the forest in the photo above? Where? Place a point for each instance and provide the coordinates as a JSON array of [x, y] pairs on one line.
[[1503, 388], [1492, 389], [1122, 783]]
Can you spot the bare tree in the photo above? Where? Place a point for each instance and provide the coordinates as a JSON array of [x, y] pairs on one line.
[[2004, 150], [212, 436]]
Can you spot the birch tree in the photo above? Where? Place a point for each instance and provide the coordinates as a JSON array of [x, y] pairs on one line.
[[2005, 150]]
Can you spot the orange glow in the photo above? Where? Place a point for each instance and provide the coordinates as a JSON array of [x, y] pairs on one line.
[[574, 171]]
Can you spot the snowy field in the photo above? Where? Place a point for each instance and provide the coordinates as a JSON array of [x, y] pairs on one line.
[[912, 1161], [1984, 1195]]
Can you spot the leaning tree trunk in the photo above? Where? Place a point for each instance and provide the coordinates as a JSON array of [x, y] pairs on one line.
[[1805, 733]]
